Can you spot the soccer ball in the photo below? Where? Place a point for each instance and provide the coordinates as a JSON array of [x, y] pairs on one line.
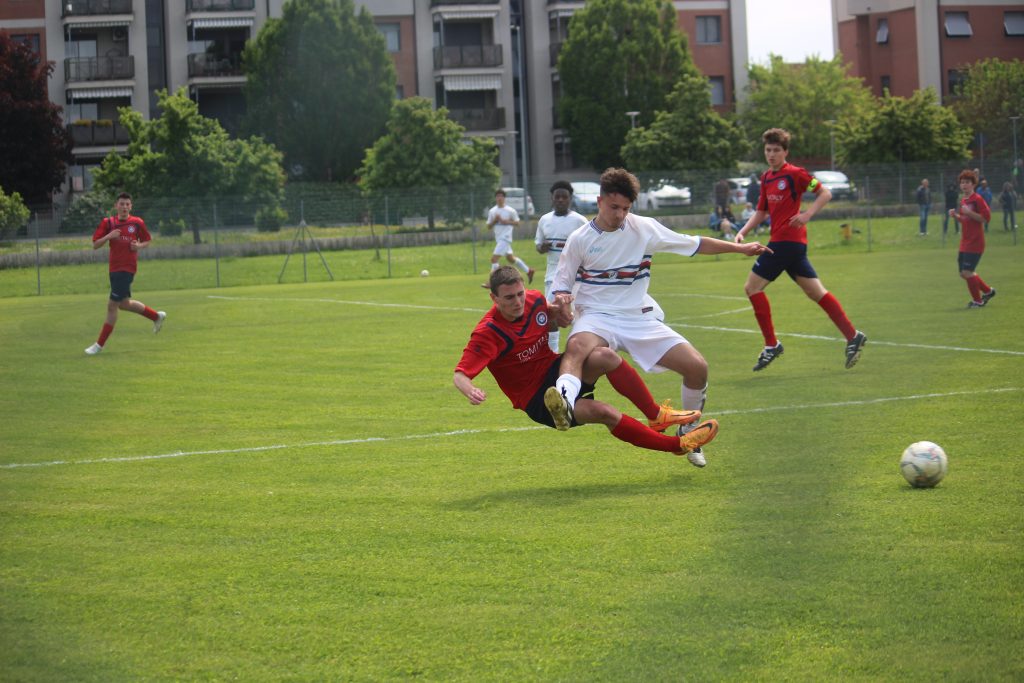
[[424, 272], [923, 464]]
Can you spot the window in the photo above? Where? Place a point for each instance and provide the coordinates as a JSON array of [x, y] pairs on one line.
[[717, 90], [954, 79], [886, 84], [392, 36], [709, 30], [882, 37], [76, 111], [1013, 23], [958, 26], [399, 92], [29, 39]]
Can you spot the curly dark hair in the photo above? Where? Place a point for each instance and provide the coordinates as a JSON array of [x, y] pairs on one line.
[[620, 181], [561, 185]]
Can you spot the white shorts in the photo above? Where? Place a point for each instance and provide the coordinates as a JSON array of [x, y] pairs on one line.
[[503, 247], [644, 337]]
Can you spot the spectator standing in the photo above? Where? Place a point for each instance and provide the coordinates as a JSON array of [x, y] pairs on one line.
[[126, 236], [924, 202], [722, 195], [952, 202], [1008, 199], [753, 190], [986, 193]]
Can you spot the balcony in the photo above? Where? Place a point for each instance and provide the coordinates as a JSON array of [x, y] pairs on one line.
[[98, 68], [74, 8], [221, 5], [104, 132], [438, 3], [203, 65], [479, 119], [456, 56]]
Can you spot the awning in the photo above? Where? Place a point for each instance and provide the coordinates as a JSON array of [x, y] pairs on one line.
[[1013, 22], [466, 82], [98, 93], [450, 14], [958, 26], [99, 23], [561, 13], [221, 22]]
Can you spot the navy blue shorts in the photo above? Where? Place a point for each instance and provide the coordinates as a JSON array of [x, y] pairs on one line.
[[121, 285], [536, 409], [966, 260], [788, 257]]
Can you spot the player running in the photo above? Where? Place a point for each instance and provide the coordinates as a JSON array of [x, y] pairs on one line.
[[553, 229], [782, 187], [974, 213]]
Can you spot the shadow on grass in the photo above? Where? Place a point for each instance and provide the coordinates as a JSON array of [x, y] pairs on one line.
[[558, 496]]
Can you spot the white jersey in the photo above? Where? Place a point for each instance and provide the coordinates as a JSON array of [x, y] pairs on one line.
[[554, 230], [502, 231], [612, 270]]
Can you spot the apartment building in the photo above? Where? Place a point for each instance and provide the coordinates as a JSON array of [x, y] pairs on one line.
[[906, 45], [491, 63]]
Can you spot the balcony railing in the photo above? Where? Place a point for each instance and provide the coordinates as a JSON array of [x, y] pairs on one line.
[[455, 56], [436, 3], [203, 65], [71, 8], [479, 119], [220, 5], [98, 68], [98, 133]]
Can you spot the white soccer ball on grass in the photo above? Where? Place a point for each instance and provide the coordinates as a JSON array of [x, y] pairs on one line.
[[923, 464], [424, 272]]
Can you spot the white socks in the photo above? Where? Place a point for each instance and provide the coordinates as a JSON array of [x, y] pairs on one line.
[[569, 386], [521, 265], [694, 399]]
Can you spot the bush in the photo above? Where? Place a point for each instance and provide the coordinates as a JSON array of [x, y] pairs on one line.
[[172, 228], [13, 214], [270, 218], [86, 212]]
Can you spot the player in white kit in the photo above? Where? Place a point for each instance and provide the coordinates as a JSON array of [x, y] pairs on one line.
[[609, 259], [504, 219], [553, 228]]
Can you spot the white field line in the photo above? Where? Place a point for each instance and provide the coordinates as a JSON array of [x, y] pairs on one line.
[[460, 432], [681, 322]]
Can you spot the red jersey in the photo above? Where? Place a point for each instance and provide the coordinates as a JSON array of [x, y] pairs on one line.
[[515, 351], [972, 237], [122, 258], [780, 196]]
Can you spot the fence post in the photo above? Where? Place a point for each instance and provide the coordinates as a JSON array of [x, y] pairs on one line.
[[867, 192], [387, 230], [39, 266], [472, 223], [216, 242]]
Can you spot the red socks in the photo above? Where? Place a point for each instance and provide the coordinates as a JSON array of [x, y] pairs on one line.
[[975, 285], [625, 380], [149, 313], [639, 434], [104, 333], [835, 311], [763, 313]]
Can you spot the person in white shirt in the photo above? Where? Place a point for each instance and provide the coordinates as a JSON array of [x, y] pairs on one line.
[[503, 219], [609, 260], [553, 228]]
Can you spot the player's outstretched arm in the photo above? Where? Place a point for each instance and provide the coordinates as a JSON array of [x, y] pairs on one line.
[[712, 245], [475, 395]]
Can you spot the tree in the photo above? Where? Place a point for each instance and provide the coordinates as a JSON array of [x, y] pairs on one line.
[[991, 92], [620, 56], [13, 214], [425, 152], [902, 129], [34, 145], [802, 98], [689, 134], [320, 86], [188, 158]]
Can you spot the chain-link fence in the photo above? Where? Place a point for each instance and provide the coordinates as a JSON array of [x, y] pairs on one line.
[[332, 231]]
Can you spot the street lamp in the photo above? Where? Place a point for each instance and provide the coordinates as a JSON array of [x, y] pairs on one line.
[[632, 118], [831, 143]]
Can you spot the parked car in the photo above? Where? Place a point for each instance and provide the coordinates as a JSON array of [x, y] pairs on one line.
[[584, 196], [664, 195], [738, 190], [514, 197], [838, 184]]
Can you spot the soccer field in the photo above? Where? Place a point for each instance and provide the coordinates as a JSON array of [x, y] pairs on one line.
[[284, 485]]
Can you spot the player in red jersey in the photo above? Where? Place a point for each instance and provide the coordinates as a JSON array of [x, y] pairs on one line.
[[511, 341], [782, 186], [126, 235], [974, 213]]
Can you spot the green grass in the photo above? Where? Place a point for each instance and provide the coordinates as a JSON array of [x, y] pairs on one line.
[[331, 508]]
